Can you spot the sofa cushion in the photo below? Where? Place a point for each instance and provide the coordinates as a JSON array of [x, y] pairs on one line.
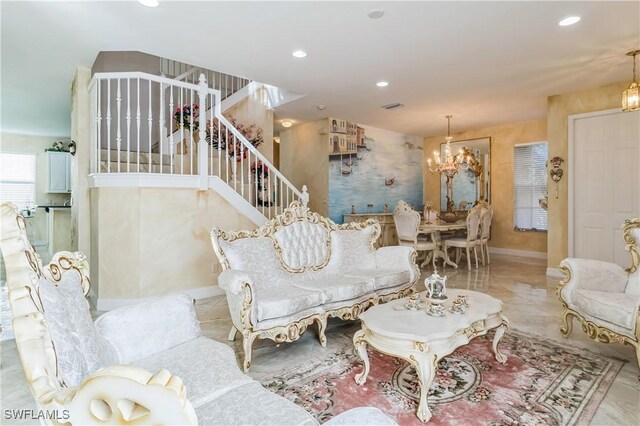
[[337, 288], [349, 248], [616, 308], [149, 327], [303, 244], [80, 350], [382, 278], [207, 368], [284, 300], [252, 404], [257, 257]]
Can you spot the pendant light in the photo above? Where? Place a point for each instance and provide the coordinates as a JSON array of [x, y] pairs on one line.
[[631, 96]]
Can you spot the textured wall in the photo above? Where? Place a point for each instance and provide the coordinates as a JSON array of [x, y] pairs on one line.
[[152, 241], [304, 161], [503, 140]]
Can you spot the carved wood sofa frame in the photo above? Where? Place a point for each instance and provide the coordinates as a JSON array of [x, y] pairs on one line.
[[131, 391], [292, 331], [593, 330]]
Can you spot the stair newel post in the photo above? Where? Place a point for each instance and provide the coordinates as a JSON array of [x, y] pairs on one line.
[[305, 196], [202, 123]]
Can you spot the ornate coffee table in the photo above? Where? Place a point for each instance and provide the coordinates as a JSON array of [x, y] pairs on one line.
[[423, 340]]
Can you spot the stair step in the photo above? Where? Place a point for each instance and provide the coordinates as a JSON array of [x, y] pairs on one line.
[[105, 155], [133, 168]]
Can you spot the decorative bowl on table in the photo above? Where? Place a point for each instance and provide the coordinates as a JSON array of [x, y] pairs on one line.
[[448, 217]]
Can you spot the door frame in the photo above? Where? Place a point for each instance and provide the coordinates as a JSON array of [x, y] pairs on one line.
[[571, 169]]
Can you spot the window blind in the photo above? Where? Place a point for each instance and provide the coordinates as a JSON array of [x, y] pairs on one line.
[[18, 179], [530, 184]]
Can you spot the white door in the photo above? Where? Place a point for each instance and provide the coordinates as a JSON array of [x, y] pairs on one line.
[[606, 182]]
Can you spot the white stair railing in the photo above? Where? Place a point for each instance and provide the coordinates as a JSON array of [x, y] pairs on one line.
[[129, 112], [227, 84]]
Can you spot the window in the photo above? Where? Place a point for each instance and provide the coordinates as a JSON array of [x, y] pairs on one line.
[[530, 182], [18, 179]]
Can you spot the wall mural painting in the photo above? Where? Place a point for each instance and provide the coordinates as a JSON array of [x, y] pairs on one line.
[[371, 167]]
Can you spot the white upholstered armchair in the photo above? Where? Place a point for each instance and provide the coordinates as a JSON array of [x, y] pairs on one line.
[[604, 296]]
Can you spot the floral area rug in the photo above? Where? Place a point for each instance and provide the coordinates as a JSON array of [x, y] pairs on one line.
[[543, 383]]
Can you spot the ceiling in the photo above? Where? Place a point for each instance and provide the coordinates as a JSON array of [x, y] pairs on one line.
[[487, 63]]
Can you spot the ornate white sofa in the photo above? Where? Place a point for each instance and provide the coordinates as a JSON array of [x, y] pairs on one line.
[[81, 372], [300, 268], [604, 296]]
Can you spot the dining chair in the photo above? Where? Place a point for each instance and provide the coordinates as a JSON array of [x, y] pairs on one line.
[[468, 242], [407, 224], [486, 217]]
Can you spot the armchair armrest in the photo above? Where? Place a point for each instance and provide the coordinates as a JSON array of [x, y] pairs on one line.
[[240, 293], [394, 257], [591, 274], [149, 327], [233, 281], [129, 395]]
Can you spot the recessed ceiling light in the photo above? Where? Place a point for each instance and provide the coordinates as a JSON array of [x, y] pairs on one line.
[[299, 54], [382, 83], [569, 21], [149, 3], [287, 124], [376, 13], [321, 107]]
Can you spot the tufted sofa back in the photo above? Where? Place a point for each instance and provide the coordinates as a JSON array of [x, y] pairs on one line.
[[302, 242], [303, 245]]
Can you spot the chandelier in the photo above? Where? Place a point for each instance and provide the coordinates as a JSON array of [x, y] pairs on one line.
[[452, 163], [631, 96]]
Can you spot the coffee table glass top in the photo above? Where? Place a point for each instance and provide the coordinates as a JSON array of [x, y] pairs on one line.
[[393, 320]]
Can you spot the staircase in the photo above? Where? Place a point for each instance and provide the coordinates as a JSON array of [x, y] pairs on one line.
[[131, 112]]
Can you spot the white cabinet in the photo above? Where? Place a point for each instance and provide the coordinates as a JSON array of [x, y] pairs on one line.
[[58, 172]]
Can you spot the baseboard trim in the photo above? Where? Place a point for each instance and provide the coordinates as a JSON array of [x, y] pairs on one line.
[[518, 253], [554, 272], [103, 304]]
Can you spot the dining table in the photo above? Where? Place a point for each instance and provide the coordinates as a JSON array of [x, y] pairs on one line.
[[434, 228]]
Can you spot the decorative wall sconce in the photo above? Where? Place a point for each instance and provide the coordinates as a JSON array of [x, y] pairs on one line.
[[556, 171]]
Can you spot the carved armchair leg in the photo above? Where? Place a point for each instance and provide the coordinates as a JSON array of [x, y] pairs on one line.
[[637, 348], [567, 321], [322, 327], [247, 341], [232, 334]]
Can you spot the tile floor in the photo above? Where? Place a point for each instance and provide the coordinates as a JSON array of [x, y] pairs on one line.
[[530, 303]]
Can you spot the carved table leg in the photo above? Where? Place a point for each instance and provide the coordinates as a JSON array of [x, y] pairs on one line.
[[500, 357], [426, 370], [361, 346]]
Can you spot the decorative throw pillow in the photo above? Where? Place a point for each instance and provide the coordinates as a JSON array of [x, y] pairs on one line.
[[351, 249], [257, 257], [80, 350], [150, 326]]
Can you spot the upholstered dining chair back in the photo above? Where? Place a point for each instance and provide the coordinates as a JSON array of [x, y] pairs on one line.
[[407, 224], [473, 224], [486, 216]]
